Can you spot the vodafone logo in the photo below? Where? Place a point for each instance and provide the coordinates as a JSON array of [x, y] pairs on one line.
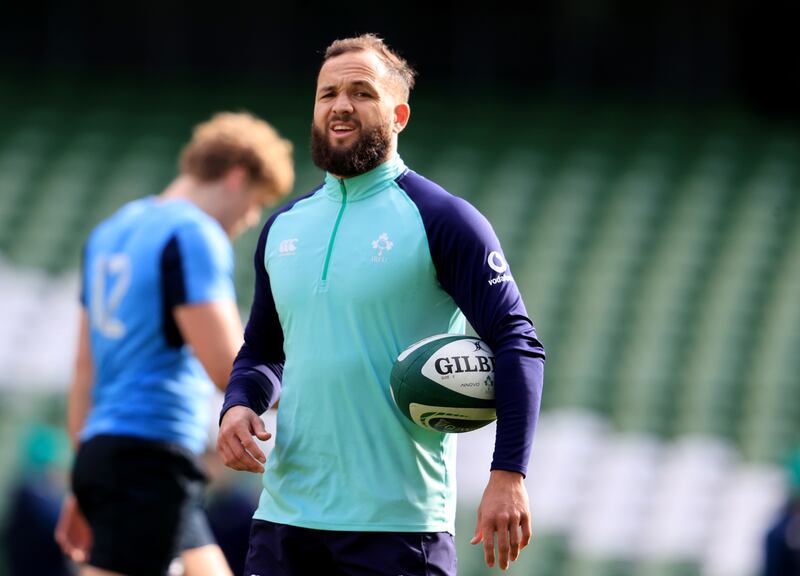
[[497, 262]]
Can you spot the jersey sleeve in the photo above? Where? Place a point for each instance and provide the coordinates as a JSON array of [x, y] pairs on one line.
[[255, 380], [471, 267], [206, 262]]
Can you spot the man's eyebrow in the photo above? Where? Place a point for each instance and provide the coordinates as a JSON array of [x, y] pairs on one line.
[[364, 83]]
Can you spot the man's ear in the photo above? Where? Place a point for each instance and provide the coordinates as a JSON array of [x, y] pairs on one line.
[[235, 178], [402, 112]]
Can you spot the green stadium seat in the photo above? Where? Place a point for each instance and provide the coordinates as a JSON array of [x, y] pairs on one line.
[[661, 307], [460, 170], [729, 307]]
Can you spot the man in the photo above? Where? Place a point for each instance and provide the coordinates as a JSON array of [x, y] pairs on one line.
[[348, 276], [159, 328]]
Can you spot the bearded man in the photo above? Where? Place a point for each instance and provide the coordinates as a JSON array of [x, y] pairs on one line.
[[348, 276]]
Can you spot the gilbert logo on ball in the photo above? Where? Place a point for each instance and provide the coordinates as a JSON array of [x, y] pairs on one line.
[[446, 383]]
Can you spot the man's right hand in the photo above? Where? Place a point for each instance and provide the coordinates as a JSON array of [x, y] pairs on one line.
[[235, 443]]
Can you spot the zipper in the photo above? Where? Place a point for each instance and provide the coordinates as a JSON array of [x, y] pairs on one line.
[[333, 234]]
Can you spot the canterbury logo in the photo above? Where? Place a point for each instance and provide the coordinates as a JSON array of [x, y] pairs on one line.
[[288, 247]]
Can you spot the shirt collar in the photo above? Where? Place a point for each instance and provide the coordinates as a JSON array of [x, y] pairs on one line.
[[366, 184]]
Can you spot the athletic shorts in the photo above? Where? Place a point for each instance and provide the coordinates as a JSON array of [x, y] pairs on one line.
[[143, 500], [282, 550]]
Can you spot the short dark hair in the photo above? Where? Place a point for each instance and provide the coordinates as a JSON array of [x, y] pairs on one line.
[[397, 66]]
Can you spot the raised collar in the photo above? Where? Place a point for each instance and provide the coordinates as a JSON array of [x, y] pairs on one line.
[[367, 184]]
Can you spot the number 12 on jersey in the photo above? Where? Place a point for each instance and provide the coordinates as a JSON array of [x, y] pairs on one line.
[[111, 278]]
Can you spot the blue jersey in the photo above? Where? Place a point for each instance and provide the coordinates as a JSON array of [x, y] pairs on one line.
[[347, 278], [139, 264]]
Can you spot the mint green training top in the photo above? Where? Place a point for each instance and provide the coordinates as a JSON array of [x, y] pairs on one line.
[[347, 277]]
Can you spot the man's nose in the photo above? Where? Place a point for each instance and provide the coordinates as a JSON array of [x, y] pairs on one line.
[[342, 104]]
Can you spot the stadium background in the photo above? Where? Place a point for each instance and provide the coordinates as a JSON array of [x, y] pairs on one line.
[[638, 161]]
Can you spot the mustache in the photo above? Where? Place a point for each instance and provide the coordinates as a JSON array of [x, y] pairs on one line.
[[344, 118]]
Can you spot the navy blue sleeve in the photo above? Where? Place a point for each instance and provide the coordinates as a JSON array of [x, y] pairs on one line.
[[471, 267], [173, 290], [255, 380]]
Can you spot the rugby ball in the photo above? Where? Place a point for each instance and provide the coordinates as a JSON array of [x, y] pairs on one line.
[[445, 383]]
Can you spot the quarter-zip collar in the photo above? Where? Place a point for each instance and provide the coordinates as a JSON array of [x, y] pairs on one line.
[[367, 184]]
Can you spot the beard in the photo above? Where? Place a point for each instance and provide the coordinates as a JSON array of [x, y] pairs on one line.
[[366, 153]]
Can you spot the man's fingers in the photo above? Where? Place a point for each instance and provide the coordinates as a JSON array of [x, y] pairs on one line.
[[509, 535], [77, 555], [477, 536], [236, 444], [244, 459], [503, 545], [504, 518], [251, 447], [488, 547], [247, 451], [75, 552], [236, 457], [525, 523], [227, 455], [260, 430], [513, 542]]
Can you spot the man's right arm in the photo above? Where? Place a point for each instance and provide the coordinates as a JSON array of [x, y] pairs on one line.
[[255, 380]]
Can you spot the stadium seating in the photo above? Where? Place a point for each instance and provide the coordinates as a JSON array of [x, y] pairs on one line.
[[658, 253]]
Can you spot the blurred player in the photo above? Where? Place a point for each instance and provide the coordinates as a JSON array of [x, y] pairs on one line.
[[159, 329], [376, 258], [33, 506], [782, 542]]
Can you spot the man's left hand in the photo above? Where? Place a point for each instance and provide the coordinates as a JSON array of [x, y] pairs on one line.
[[72, 532], [504, 510]]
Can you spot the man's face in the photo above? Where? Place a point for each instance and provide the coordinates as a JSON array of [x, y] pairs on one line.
[[354, 115]]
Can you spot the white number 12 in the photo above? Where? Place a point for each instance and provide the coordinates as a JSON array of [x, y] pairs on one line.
[[116, 270]]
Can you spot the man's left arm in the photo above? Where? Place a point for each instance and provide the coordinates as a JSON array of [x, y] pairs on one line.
[[472, 268], [79, 399], [72, 531]]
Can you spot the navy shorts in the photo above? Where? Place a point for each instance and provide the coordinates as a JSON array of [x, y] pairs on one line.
[[281, 550], [143, 500]]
